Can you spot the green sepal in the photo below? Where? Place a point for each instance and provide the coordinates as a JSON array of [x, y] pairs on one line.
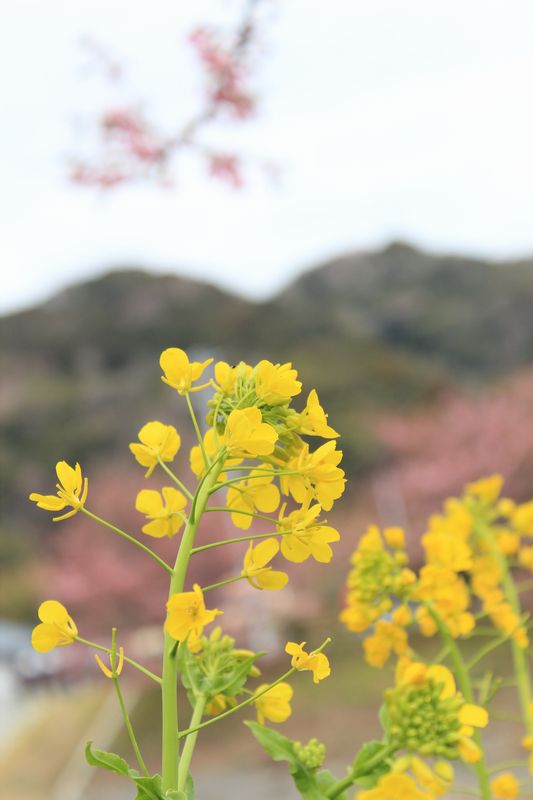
[[179, 794], [310, 784]]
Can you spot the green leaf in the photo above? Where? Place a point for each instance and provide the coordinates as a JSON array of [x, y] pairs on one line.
[[281, 748], [365, 773], [278, 746], [384, 718], [109, 761], [149, 788], [231, 683]]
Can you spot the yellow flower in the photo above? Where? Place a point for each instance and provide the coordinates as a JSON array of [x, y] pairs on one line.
[[212, 446], [255, 568], [525, 558], [425, 701], [187, 615], [162, 509], [387, 638], [313, 420], [180, 373], [302, 536], [436, 781], [316, 662], [395, 538], [226, 377], [220, 703], [394, 787], [486, 489], [505, 786], [247, 435], [274, 705], [450, 596], [71, 491], [527, 742], [276, 383], [257, 491], [317, 472], [522, 518], [157, 441], [508, 542], [57, 628]]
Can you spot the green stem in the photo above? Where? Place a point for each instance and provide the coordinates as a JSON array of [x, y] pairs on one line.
[[238, 707], [130, 661], [175, 479], [197, 429], [169, 684], [190, 742], [345, 783], [122, 704], [131, 539], [238, 511], [521, 666], [239, 539], [484, 651], [463, 679], [251, 477], [514, 763], [222, 583]]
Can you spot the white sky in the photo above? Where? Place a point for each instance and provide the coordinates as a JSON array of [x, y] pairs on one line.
[[389, 119]]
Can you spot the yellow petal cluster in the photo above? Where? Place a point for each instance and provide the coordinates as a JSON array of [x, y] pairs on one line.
[[162, 509], [313, 420], [187, 615], [394, 786], [317, 663], [276, 383], [303, 536], [274, 705], [247, 435], [257, 491], [56, 629], [317, 472], [71, 491], [179, 372], [156, 441], [256, 569], [505, 787]]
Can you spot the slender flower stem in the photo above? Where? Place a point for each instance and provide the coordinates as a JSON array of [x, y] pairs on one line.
[[190, 742], [514, 763], [175, 479], [122, 704], [238, 707], [129, 661], [169, 685], [222, 583], [244, 513], [463, 679], [197, 429], [484, 651], [345, 783], [239, 539], [251, 477], [127, 536]]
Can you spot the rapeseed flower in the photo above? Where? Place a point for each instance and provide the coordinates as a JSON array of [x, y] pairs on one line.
[[302, 536], [247, 435], [114, 671], [276, 384], [429, 716], [257, 491], [505, 787], [157, 441], [394, 786], [317, 472], [450, 597], [180, 373], [226, 376], [71, 491], [255, 568], [274, 705], [57, 628], [162, 509], [317, 663], [187, 615], [313, 420], [387, 638]]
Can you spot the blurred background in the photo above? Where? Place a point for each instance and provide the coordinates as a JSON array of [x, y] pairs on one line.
[[346, 187]]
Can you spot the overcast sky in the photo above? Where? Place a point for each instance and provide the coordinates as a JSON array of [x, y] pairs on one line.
[[387, 119]]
